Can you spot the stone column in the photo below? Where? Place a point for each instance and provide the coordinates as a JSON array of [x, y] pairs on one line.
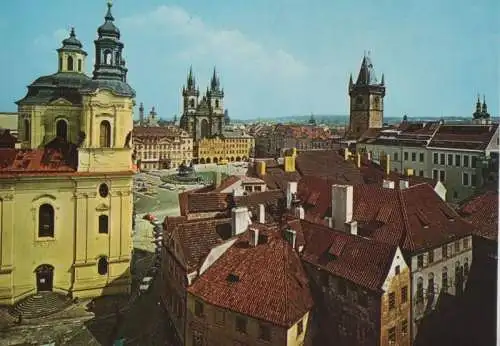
[[7, 232]]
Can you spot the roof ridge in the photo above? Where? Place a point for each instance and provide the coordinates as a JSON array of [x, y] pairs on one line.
[[406, 222], [285, 277]]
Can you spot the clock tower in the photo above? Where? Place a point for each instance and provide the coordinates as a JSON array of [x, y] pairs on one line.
[[366, 100]]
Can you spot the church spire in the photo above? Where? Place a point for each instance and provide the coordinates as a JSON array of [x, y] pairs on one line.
[[215, 83], [484, 109], [478, 113], [191, 83]]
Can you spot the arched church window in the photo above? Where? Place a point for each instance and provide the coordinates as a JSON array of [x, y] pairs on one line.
[[60, 64], [62, 129], [107, 57], [102, 266], [27, 130], [105, 134], [117, 58], [216, 103], [191, 103], [79, 65], [46, 221], [70, 63]]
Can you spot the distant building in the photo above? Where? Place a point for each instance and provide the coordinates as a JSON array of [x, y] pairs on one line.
[[9, 121], [232, 145]]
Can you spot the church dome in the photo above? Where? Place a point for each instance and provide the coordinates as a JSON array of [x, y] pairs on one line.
[[72, 41], [108, 29]]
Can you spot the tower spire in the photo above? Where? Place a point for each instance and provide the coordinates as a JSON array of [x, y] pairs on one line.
[[214, 83], [484, 109]]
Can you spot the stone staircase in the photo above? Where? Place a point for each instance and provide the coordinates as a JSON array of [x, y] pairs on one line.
[[40, 304]]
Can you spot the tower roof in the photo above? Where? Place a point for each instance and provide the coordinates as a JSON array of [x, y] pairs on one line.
[[108, 29], [71, 43], [215, 83], [367, 74]]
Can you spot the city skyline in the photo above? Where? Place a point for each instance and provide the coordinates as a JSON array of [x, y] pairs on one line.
[[273, 61]]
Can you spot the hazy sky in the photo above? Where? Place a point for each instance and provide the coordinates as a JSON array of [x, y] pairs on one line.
[[275, 57]]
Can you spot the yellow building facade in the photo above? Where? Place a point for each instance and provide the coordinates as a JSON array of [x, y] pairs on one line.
[[66, 197], [231, 146]]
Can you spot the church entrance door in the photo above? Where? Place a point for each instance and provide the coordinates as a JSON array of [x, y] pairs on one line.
[[44, 277]]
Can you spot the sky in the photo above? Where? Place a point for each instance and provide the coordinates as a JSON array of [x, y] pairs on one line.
[[275, 58]]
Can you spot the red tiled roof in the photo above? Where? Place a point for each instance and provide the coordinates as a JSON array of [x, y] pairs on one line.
[[415, 218], [207, 202], [482, 212], [197, 237], [7, 140], [266, 282], [328, 164], [29, 161], [362, 261], [227, 183], [270, 198], [471, 137]]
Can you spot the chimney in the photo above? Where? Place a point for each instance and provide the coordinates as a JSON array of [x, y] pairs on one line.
[[299, 212], [387, 164], [342, 199], [404, 184], [291, 236], [239, 220], [254, 236], [369, 156], [261, 168], [358, 160], [261, 213], [330, 222], [291, 188], [351, 227], [346, 154], [387, 184]]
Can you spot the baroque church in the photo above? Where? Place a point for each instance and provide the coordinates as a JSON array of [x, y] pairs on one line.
[[66, 194], [367, 100], [203, 118]]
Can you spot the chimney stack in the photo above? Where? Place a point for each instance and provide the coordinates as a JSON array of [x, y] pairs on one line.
[[369, 156], [291, 188], [291, 236], [240, 220], [342, 200], [358, 160], [254, 236], [387, 184], [387, 164], [404, 184], [346, 154], [351, 227], [261, 213], [299, 212]]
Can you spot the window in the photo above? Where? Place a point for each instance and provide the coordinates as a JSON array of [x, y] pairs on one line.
[[420, 261], [444, 251], [70, 63], [241, 325], [444, 280], [466, 268], [406, 156], [117, 58], [392, 335], [430, 285], [103, 190], [396, 157], [466, 243], [473, 180], [421, 157], [102, 266], [442, 176], [62, 129], [79, 65], [435, 158], [264, 333], [107, 57], [404, 327], [466, 160], [457, 160], [441, 159], [300, 328], [220, 317], [46, 221], [105, 134], [216, 103], [397, 269], [404, 294], [257, 188], [27, 130], [473, 161], [420, 173], [103, 224], [457, 246], [198, 309], [465, 179], [392, 300], [414, 157], [420, 290], [430, 258], [435, 174], [450, 159]]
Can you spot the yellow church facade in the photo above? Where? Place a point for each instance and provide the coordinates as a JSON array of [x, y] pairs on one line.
[[66, 199]]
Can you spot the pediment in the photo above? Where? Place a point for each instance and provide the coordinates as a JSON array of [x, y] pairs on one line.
[[60, 102], [102, 207]]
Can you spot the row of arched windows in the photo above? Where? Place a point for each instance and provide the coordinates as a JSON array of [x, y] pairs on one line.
[[70, 64]]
